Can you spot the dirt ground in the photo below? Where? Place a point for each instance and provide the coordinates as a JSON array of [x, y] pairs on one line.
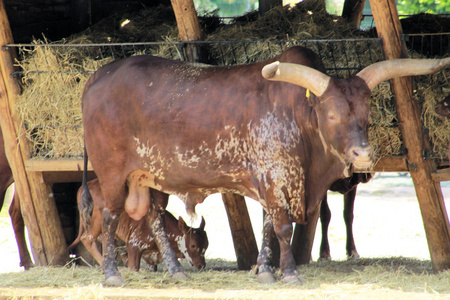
[[387, 223]]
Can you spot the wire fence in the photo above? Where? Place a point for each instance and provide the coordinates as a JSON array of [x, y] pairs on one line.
[[74, 62]]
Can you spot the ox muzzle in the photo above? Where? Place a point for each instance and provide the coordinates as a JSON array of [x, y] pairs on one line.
[[361, 158]]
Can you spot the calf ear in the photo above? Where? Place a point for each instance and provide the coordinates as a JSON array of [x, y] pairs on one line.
[[202, 224], [182, 225]]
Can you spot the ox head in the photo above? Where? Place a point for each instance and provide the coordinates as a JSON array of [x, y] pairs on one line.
[[341, 105], [195, 243]]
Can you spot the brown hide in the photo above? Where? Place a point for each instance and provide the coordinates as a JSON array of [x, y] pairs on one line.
[[6, 179], [189, 243]]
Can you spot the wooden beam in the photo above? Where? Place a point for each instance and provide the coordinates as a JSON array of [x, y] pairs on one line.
[[428, 192], [441, 175], [353, 11], [266, 5], [38, 206], [55, 165], [188, 28]]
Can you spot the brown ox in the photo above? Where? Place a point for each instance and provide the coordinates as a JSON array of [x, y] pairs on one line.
[[279, 131], [6, 179], [347, 187], [189, 243]]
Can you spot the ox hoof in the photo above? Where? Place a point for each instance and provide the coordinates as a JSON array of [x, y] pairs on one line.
[[114, 281], [266, 278], [293, 280], [324, 259], [180, 276], [354, 257]]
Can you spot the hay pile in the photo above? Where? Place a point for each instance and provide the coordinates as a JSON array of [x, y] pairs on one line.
[[54, 76]]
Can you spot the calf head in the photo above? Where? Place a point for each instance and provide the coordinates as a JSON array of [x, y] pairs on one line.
[[341, 105], [193, 243]]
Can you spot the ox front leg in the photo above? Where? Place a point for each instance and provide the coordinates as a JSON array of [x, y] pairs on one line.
[[283, 232], [156, 225], [288, 268], [112, 275], [265, 256]]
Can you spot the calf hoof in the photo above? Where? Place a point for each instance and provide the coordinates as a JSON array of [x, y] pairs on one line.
[[266, 278], [293, 279], [180, 276], [114, 281]]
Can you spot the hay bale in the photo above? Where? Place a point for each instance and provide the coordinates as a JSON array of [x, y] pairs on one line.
[[50, 104]]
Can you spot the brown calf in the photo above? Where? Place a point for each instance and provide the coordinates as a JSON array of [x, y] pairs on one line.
[[189, 243]]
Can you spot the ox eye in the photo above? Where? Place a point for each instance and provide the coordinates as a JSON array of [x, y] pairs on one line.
[[332, 117], [193, 246]]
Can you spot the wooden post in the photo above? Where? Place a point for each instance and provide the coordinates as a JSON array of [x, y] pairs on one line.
[[352, 11], [428, 192], [266, 5], [188, 28], [38, 207], [242, 231]]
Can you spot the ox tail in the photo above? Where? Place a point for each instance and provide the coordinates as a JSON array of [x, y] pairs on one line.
[[86, 204]]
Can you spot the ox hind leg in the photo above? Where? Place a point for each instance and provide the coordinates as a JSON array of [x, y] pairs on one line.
[[114, 195], [349, 200], [110, 222]]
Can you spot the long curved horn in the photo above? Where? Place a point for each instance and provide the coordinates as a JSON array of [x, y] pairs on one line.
[[304, 76], [383, 70]]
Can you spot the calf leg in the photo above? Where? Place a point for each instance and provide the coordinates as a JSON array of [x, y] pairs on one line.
[[325, 217], [349, 200], [19, 232]]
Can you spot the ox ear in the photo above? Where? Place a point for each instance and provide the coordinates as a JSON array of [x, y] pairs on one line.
[[309, 78], [202, 224], [383, 70], [182, 225]]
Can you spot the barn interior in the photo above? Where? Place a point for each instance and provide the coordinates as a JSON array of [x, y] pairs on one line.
[[94, 22]]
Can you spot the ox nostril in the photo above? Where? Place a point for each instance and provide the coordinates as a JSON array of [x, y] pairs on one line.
[[362, 152]]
